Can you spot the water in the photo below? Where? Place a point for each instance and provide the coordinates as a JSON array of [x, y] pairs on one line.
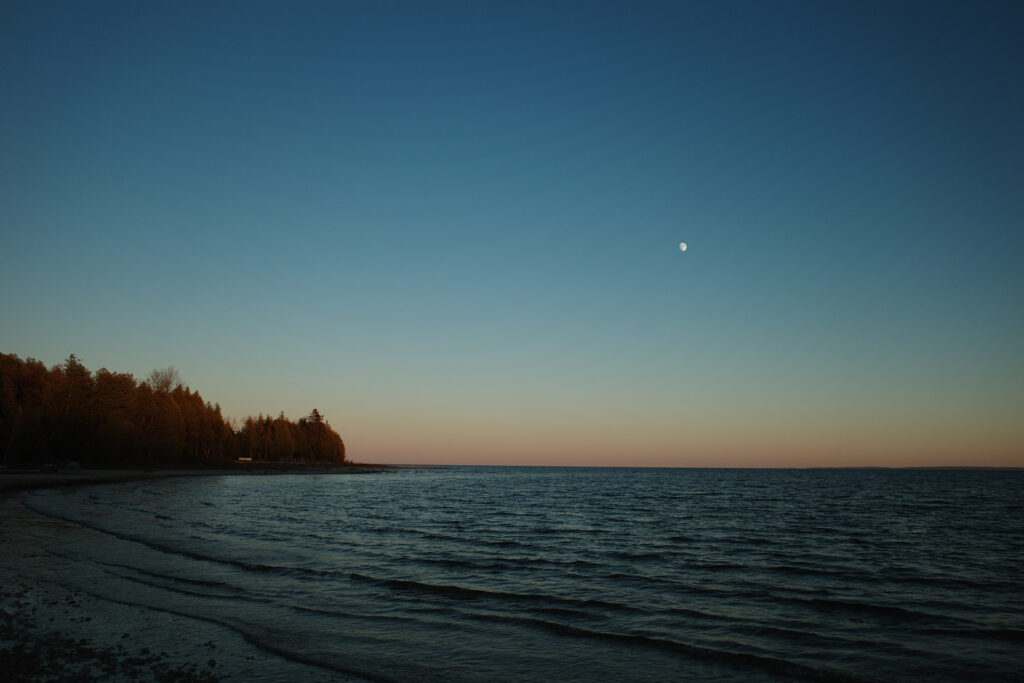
[[473, 574]]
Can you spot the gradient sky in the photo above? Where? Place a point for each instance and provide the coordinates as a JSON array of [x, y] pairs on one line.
[[453, 227]]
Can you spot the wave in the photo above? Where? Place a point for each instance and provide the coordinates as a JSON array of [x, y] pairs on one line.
[[433, 535], [951, 583], [249, 636], [802, 571], [627, 555], [888, 611], [738, 590], [465, 564], [192, 554], [182, 591], [463, 593], [1009, 635], [767, 664], [495, 563], [157, 575], [542, 603]]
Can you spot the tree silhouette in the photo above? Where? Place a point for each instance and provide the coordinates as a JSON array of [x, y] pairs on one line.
[[66, 413], [162, 381]]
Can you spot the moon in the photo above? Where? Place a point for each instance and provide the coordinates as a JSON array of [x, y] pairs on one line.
[[682, 246]]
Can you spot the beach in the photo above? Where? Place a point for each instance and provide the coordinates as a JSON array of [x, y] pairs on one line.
[[51, 631]]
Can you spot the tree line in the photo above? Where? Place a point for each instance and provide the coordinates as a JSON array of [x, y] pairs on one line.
[[54, 416]]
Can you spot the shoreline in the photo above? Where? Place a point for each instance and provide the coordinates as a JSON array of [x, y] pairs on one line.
[[54, 628], [13, 481]]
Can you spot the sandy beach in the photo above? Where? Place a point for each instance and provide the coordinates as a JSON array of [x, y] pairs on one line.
[[50, 631]]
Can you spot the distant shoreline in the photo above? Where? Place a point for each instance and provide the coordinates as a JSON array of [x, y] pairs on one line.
[[23, 480]]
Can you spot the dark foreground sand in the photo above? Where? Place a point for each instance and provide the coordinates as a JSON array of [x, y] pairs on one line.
[[49, 632]]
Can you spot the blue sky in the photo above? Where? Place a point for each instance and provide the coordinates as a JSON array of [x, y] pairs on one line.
[[454, 227]]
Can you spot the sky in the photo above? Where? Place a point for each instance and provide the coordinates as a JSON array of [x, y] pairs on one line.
[[454, 227]]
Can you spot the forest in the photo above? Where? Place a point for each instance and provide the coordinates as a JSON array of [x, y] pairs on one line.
[[51, 417]]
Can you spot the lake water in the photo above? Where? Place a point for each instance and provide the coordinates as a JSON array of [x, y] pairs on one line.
[[525, 574]]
